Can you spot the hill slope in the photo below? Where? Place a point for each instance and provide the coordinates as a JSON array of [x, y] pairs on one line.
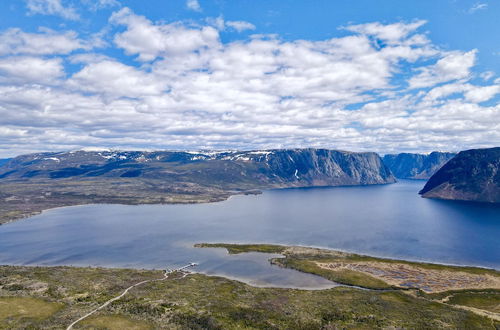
[[472, 175], [416, 166]]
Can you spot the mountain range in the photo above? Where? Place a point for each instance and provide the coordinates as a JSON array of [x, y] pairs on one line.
[[34, 182]]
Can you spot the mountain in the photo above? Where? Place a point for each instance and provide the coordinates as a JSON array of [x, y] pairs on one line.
[[281, 168], [416, 166], [34, 182], [472, 175]]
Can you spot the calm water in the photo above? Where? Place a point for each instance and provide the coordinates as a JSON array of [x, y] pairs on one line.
[[388, 221]]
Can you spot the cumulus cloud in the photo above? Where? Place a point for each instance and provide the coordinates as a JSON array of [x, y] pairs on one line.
[[456, 65], [391, 33], [114, 78], [190, 91], [149, 40], [193, 5], [33, 70], [466, 91], [482, 94], [47, 42], [51, 7]]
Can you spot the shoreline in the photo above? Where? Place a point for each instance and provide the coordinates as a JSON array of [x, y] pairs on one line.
[[194, 245], [372, 272], [137, 200], [283, 254]]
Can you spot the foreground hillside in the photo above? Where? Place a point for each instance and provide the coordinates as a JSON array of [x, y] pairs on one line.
[[34, 182], [54, 297], [416, 166], [473, 175]]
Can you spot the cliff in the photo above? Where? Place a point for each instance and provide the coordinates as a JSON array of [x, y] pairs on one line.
[[472, 175], [416, 166], [259, 169]]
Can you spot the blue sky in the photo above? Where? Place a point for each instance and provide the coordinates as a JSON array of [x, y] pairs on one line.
[[385, 75]]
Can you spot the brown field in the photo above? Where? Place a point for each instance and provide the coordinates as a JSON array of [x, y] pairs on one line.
[[410, 276]]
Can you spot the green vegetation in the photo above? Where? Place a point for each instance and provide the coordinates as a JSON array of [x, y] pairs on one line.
[[487, 300], [115, 322], [203, 302], [243, 248], [24, 310], [347, 277], [483, 299]]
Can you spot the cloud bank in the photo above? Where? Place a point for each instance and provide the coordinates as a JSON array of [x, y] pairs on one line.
[[381, 87]]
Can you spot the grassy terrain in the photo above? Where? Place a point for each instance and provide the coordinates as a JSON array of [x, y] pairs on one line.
[[202, 302], [25, 311], [115, 322], [242, 248], [487, 300]]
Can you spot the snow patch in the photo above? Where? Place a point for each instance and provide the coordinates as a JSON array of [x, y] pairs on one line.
[[52, 158], [95, 149]]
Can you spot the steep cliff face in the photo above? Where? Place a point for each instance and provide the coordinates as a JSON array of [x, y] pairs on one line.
[[318, 167], [472, 175], [416, 166], [260, 168]]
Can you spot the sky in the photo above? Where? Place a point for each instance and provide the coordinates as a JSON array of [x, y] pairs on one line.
[[361, 75]]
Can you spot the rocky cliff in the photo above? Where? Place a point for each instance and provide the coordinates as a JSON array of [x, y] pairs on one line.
[[261, 168], [416, 166], [472, 175]]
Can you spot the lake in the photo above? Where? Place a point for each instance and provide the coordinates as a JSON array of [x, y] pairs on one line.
[[384, 220]]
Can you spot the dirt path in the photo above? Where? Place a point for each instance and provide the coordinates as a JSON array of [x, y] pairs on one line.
[[165, 277]]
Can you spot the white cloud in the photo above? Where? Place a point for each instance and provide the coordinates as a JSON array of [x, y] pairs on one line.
[[32, 70], [193, 5], [240, 25], [453, 66], [477, 6], [88, 58], [95, 5], [47, 42], [51, 7], [470, 93], [487, 75], [217, 22], [482, 94], [192, 91], [114, 78], [391, 33], [150, 40]]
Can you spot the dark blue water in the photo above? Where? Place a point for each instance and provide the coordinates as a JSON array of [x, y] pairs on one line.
[[387, 221]]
